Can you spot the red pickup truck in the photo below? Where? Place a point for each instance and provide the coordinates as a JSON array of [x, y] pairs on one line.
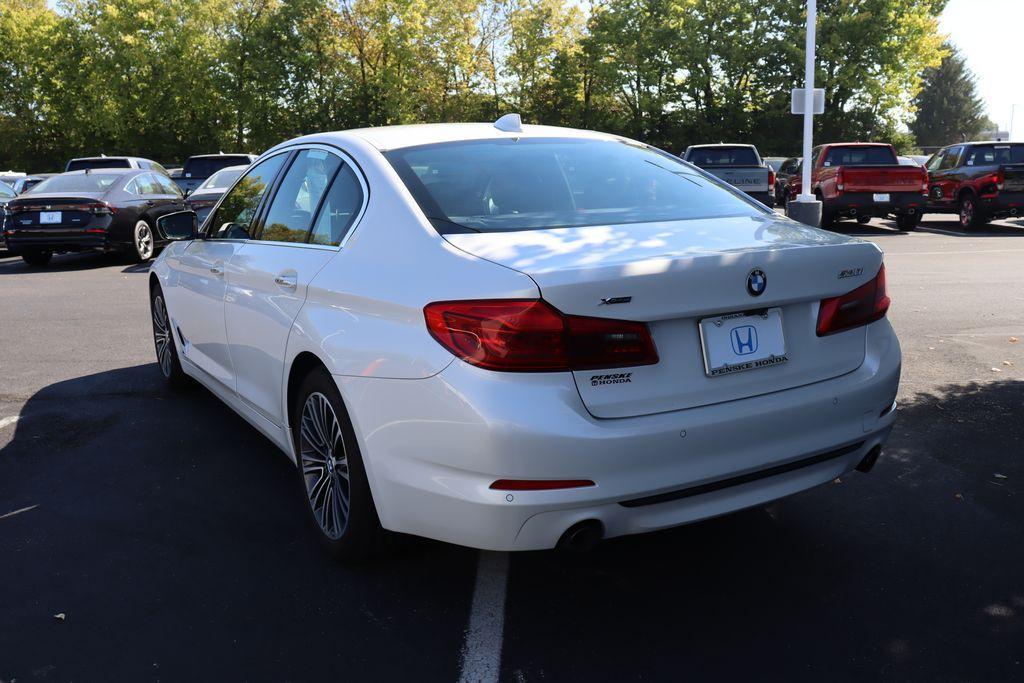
[[864, 179], [978, 180]]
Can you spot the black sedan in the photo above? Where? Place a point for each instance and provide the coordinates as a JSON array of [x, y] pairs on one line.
[[104, 210]]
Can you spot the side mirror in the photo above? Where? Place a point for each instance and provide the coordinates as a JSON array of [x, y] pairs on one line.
[[180, 225], [186, 193]]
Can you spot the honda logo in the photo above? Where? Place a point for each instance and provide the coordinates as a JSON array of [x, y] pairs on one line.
[[744, 340]]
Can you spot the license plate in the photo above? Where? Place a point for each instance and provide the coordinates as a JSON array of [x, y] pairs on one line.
[[739, 342], [47, 217], [880, 197]]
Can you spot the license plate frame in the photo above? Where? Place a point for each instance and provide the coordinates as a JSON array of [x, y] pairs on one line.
[[49, 217], [881, 198], [763, 328]]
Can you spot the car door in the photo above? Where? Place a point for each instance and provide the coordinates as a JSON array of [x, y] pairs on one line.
[[314, 204], [196, 303]]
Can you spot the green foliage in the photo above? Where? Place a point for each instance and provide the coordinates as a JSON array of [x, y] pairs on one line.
[[171, 78], [948, 106]]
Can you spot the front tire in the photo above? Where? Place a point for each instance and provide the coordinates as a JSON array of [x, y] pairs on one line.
[[163, 341], [143, 242], [37, 258], [338, 500], [972, 215]]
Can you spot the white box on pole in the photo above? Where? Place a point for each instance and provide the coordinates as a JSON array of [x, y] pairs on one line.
[[797, 101]]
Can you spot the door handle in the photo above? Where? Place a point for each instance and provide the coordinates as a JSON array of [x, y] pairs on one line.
[[216, 270], [285, 280]]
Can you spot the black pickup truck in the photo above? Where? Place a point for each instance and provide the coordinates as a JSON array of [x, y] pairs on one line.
[[979, 181]]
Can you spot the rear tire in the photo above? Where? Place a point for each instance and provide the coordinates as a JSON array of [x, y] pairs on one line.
[[37, 258], [907, 222], [163, 340], [143, 242], [972, 215], [330, 468]]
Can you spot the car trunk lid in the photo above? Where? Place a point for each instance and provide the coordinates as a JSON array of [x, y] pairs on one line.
[[671, 276], [53, 213]]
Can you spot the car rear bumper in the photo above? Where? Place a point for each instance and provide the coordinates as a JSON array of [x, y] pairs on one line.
[[433, 447], [18, 243], [1003, 204], [854, 204]]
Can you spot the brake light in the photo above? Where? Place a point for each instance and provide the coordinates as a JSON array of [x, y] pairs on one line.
[[530, 335], [100, 209], [771, 178], [924, 181], [864, 305], [839, 180]]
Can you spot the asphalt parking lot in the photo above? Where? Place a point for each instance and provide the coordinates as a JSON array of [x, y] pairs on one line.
[[149, 535]]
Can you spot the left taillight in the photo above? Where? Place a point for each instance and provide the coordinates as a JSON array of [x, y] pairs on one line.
[[531, 335], [100, 209], [771, 179], [864, 305]]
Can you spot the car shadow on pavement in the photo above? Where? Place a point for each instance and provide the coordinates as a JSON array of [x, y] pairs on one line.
[[911, 572], [172, 537], [14, 265]]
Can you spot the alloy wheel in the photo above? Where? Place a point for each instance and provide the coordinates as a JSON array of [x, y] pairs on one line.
[[143, 240], [324, 465], [162, 336], [966, 213]]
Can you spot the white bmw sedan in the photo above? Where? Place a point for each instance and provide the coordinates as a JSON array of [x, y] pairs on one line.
[[519, 337]]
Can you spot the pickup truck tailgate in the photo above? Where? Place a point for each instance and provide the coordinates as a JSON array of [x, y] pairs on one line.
[[893, 178]]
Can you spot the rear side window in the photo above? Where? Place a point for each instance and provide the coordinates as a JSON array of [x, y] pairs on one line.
[[722, 156], [339, 210], [860, 156], [536, 183], [204, 167], [991, 155], [298, 198], [237, 210], [90, 164]]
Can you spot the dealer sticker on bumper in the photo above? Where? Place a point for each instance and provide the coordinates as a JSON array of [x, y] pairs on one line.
[[739, 342]]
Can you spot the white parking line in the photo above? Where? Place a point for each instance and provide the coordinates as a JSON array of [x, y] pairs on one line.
[[481, 651], [4, 422]]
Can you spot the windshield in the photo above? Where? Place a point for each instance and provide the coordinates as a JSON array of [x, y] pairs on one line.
[[83, 182], [860, 156], [528, 184], [723, 156], [221, 179], [204, 167], [83, 164]]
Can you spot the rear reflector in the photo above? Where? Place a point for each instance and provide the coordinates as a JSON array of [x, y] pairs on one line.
[[530, 335], [539, 484], [864, 305]]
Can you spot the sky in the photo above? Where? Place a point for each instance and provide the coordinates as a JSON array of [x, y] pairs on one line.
[[987, 33]]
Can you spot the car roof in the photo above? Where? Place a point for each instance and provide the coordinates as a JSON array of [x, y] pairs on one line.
[[986, 142], [386, 138], [856, 144], [221, 154]]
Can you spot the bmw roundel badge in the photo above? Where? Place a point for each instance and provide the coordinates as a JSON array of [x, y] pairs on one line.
[[756, 282]]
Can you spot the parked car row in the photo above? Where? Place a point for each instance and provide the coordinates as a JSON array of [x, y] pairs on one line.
[[107, 203]]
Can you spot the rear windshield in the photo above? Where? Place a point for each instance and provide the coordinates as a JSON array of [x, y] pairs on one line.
[[83, 164], [860, 156], [988, 155], [6, 190], [221, 178], [723, 156], [204, 167], [84, 182], [528, 184]]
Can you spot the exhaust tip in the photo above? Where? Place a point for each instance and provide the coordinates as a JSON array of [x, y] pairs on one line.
[[581, 537], [911, 211], [853, 212], [869, 460]]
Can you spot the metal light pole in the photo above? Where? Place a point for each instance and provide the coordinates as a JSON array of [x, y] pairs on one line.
[[806, 208]]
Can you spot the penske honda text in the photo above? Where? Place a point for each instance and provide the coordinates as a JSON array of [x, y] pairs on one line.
[[519, 337]]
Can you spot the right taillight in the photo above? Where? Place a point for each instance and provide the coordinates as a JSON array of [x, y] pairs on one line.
[[864, 305], [530, 335]]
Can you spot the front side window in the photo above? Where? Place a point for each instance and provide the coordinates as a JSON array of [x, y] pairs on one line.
[[951, 158], [298, 198], [237, 210], [537, 183]]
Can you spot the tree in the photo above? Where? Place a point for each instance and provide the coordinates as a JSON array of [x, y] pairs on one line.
[[948, 106]]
